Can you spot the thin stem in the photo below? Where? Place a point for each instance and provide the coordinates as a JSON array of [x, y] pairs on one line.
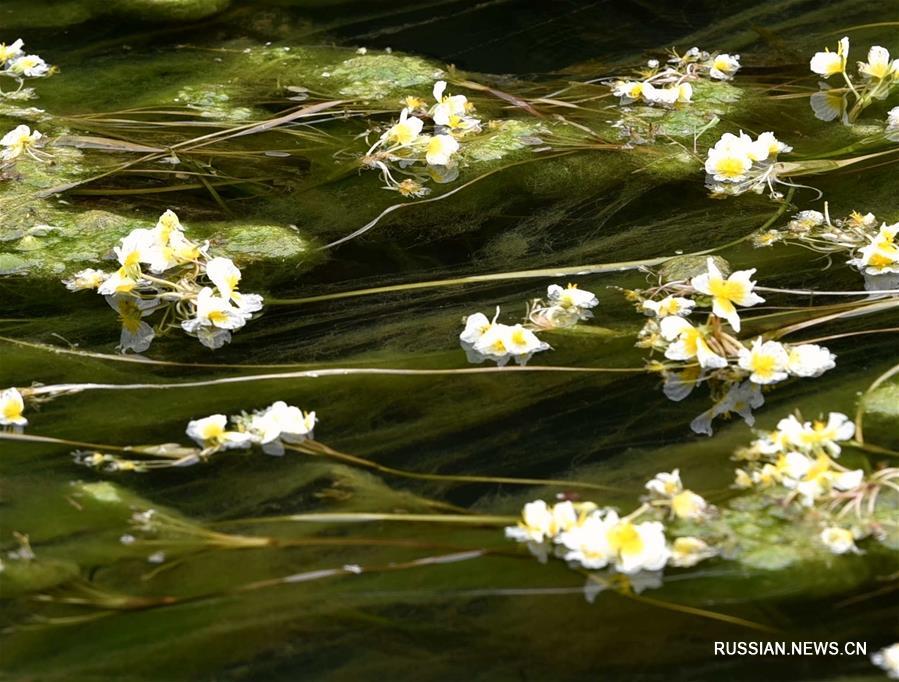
[[312, 447]]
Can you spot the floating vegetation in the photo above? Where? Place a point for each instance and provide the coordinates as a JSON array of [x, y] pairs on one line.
[[875, 80], [403, 150], [175, 287], [790, 473], [738, 164], [15, 63], [461, 493], [871, 243], [734, 369], [670, 83]]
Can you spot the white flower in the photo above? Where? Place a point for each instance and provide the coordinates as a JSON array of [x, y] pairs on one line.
[[216, 311], [85, 279], [670, 305], [637, 547], [628, 91], [805, 220], [881, 255], [571, 297], [888, 659], [405, 131], [838, 540], [440, 149], [688, 505], [138, 246], [765, 361], [211, 432], [724, 66], [136, 334], [29, 65], [689, 551], [520, 341], [18, 141], [587, 543], [226, 277], [447, 106], [893, 118], [740, 399], [878, 65], [728, 165], [11, 51], [475, 327], [772, 145], [536, 524], [689, 342], [828, 63], [667, 96], [727, 293], [818, 434], [215, 319], [809, 360], [502, 342], [665, 484], [11, 407], [281, 423]]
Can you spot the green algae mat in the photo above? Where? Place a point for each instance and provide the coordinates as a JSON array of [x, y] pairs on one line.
[[502, 340]]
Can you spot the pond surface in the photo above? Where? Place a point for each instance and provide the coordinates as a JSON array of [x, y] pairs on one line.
[[328, 565]]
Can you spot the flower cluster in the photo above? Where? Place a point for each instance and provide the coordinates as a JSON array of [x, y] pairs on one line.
[[404, 149], [484, 339], [734, 369], [875, 80], [271, 429], [669, 84], [15, 63], [871, 242], [738, 164], [562, 308], [796, 465], [591, 537], [161, 270], [22, 140], [11, 408]]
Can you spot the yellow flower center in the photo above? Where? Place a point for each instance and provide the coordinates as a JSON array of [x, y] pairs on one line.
[[12, 410], [217, 316], [624, 539], [730, 167], [212, 431], [727, 289]]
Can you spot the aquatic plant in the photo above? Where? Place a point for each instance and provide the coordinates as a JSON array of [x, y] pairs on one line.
[[735, 369], [21, 140], [870, 242], [875, 80], [11, 408], [404, 150], [484, 339], [791, 471], [670, 83], [737, 164], [16, 64], [177, 285]]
